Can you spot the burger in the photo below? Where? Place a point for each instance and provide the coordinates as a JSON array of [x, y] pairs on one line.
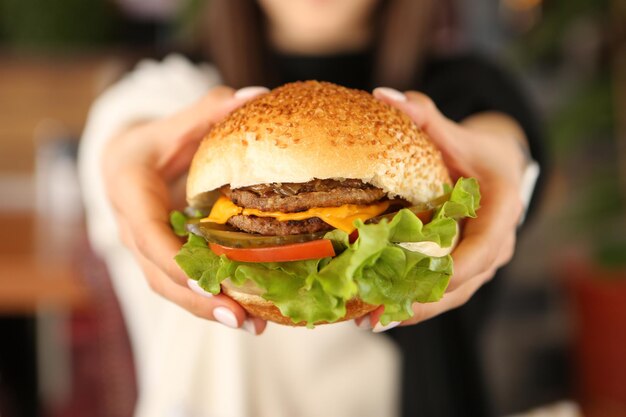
[[316, 203]]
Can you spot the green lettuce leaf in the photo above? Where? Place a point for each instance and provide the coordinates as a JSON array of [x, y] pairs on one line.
[[178, 221], [373, 268], [201, 264], [464, 201]]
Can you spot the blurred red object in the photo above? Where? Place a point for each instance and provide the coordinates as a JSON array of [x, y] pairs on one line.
[[598, 302]]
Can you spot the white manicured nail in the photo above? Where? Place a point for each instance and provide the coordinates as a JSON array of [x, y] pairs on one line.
[[226, 317], [249, 92], [248, 325], [193, 285], [365, 324], [379, 328], [390, 93]]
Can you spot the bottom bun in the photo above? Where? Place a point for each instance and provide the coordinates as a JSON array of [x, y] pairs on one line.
[[257, 306]]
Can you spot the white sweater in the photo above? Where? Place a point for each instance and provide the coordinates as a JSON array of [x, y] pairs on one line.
[[189, 367]]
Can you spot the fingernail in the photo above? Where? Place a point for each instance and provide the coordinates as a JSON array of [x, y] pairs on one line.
[[249, 92], [379, 328], [226, 317], [193, 285], [390, 93], [248, 325], [365, 324]]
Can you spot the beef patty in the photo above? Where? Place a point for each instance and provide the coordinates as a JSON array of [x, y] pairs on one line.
[[272, 227], [295, 197]]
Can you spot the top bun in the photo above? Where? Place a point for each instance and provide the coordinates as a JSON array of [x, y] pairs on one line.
[[307, 130]]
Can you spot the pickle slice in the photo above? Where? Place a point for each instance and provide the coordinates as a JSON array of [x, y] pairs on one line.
[[422, 210], [227, 236]]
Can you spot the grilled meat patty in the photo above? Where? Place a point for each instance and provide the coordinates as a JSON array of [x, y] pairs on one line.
[[272, 227], [294, 197]]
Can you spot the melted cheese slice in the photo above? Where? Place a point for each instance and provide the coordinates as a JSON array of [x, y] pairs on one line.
[[341, 217]]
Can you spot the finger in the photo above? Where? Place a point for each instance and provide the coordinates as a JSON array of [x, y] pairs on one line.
[[375, 315], [448, 137], [220, 308], [370, 320], [178, 192], [183, 131], [426, 311], [450, 300], [259, 324], [196, 119], [123, 231], [142, 202], [419, 107], [507, 251], [504, 257], [253, 325], [424, 113], [484, 236]]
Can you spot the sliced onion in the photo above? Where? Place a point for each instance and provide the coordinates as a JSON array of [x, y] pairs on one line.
[[248, 287], [431, 248], [227, 236]]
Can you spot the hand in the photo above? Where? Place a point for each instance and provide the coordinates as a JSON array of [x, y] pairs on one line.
[[143, 167], [488, 147]]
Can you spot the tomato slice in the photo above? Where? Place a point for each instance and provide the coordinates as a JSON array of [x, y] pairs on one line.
[[425, 216], [314, 249]]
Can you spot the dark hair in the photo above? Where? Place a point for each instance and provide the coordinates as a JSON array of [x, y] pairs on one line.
[[237, 41]]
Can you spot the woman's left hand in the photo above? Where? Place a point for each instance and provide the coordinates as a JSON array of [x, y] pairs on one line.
[[488, 147], [142, 170]]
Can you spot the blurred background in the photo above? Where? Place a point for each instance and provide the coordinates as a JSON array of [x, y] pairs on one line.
[[560, 329]]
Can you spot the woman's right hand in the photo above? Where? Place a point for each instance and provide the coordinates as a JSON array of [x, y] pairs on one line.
[[487, 146], [143, 166]]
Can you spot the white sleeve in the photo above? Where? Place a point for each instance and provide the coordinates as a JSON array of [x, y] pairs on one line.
[[152, 90]]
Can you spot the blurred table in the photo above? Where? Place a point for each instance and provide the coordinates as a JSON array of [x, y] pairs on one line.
[[35, 88], [37, 92], [26, 279], [43, 282]]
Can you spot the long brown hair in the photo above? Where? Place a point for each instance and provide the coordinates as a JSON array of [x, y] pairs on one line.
[[237, 41]]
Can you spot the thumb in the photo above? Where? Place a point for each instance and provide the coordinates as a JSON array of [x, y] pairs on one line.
[[183, 131], [443, 132], [213, 107]]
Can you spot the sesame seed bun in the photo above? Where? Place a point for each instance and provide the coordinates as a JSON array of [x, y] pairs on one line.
[[307, 130], [314, 130], [257, 306]]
